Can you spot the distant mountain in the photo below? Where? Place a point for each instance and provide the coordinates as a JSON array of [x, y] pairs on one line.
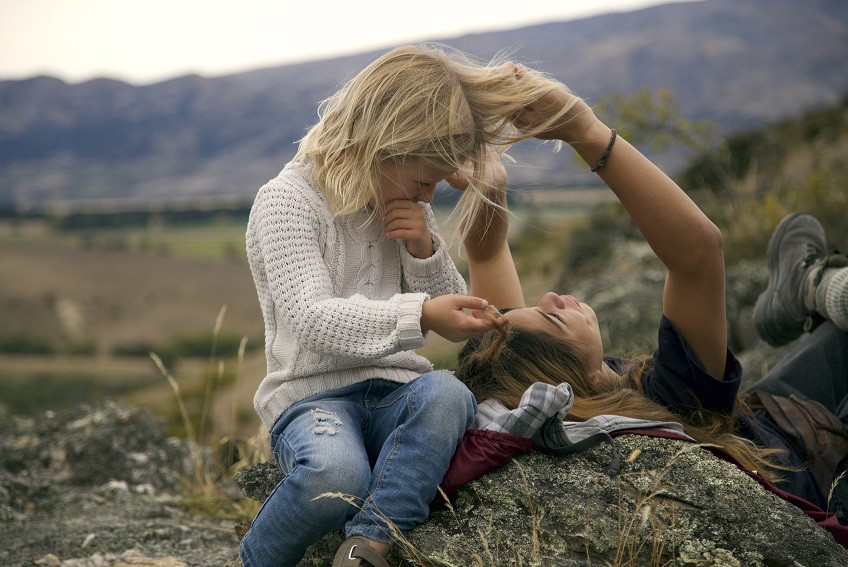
[[738, 62]]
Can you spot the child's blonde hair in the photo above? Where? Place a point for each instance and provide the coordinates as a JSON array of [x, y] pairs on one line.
[[424, 105]]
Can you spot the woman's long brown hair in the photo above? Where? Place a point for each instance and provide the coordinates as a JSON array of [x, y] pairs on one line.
[[505, 362]]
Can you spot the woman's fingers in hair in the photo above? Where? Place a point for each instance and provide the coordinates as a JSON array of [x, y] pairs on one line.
[[459, 178], [519, 71], [537, 113], [576, 117], [457, 181]]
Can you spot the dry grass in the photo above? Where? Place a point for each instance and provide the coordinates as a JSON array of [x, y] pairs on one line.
[[645, 526], [494, 550], [646, 529], [202, 490], [833, 486], [121, 297]]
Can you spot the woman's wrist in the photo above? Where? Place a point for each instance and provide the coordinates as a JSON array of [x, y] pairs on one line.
[[584, 128], [595, 140], [578, 125]]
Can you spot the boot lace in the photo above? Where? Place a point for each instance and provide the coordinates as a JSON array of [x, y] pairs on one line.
[[812, 255]]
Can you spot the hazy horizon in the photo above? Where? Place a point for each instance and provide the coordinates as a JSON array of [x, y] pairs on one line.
[[156, 41]]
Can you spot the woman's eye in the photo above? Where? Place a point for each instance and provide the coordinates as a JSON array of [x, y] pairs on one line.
[[557, 317]]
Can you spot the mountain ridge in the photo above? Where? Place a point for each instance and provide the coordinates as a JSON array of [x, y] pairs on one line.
[[739, 63]]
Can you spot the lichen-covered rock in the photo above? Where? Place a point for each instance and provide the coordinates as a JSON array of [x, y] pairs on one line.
[[628, 299], [673, 502], [129, 558], [79, 488], [92, 444], [258, 481]]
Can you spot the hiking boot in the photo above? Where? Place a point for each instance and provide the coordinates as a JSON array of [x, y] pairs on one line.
[[796, 259], [355, 552]]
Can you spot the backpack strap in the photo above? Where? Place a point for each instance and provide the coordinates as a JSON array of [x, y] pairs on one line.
[[814, 430]]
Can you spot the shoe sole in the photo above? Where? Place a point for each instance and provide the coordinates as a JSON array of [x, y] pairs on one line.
[[764, 302]]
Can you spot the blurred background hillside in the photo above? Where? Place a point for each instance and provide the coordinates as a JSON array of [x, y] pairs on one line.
[[123, 207]]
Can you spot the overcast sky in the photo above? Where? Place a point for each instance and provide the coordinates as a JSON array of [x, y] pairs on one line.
[[151, 40]]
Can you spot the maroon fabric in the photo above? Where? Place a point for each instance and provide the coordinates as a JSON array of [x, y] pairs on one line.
[[479, 452], [824, 519]]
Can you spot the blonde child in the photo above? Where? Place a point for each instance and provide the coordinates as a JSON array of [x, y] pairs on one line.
[[351, 274]]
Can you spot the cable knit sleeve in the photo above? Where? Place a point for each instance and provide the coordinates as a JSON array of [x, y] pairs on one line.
[[288, 231], [436, 275]]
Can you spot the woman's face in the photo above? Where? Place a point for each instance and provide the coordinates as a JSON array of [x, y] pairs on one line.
[[563, 316]]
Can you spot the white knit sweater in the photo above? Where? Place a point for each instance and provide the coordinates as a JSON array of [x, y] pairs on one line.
[[341, 302]]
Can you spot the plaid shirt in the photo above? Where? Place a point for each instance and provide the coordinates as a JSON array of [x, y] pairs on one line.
[[541, 414]]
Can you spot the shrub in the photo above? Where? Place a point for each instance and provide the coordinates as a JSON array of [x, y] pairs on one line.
[[144, 348], [590, 248], [20, 343], [200, 344], [85, 347]]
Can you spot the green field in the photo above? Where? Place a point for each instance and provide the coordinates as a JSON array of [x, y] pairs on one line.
[[148, 288], [222, 241]]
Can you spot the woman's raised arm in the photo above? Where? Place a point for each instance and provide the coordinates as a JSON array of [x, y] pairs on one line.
[[491, 268], [683, 238]]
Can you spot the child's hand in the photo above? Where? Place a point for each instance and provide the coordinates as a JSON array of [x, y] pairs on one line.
[[445, 315], [405, 220]]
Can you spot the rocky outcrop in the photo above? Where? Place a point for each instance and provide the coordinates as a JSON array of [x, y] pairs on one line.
[[75, 491], [628, 301], [673, 503], [101, 486], [86, 446]]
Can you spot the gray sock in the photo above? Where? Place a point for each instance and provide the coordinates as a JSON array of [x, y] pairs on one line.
[[832, 296]]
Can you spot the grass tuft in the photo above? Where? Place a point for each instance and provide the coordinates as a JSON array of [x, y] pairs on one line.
[[202, 491]]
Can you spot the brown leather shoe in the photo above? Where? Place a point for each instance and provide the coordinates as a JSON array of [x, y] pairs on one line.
[[355, 552]]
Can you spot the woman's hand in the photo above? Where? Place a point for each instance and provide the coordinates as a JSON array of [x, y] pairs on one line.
[[574, 125], [445, 315], [405, 220], [493, 180], [459, 178]]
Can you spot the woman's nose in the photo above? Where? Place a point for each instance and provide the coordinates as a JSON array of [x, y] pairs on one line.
[[551, 299]]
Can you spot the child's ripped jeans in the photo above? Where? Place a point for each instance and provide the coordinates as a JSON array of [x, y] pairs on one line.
[[386, 445]]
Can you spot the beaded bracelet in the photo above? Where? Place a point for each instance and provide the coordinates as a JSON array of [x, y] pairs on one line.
[[602, 161]]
